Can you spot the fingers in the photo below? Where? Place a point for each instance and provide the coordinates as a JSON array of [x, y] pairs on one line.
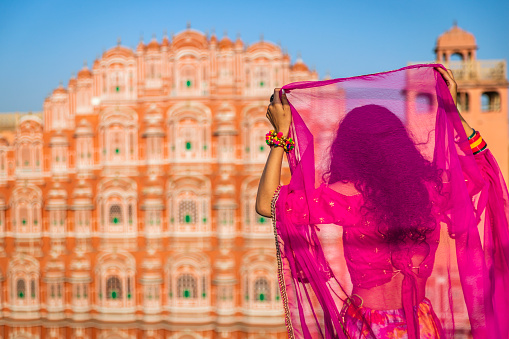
[[276, 96], [284, 100]]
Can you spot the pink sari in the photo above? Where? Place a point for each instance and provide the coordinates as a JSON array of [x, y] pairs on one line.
[[329, 243]]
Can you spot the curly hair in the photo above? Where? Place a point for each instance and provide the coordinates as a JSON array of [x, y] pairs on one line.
[[373, 150]]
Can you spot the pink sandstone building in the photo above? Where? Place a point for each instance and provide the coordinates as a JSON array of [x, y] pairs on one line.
[[127, 205]]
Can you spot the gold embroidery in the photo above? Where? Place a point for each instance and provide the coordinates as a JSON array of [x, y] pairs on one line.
[[331, 204], [361, 236], [280, 278], [321, 219]]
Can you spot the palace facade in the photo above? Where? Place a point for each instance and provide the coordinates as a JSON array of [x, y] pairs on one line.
[[127, 205], [127, 209]]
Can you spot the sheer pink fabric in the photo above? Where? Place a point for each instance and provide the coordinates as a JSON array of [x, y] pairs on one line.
[[422, 213]]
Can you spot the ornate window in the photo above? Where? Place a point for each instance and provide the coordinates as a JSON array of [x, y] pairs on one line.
[[254, 224], [21, 289], [187, 286], [255, 128], [187, 211], [259, 286], [115, 216], [116, 277], [189, 131], [23, 275], [113, 288], [261, 290], [188, 281]]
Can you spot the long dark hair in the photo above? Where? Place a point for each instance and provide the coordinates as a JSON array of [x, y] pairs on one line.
[[373, 150]]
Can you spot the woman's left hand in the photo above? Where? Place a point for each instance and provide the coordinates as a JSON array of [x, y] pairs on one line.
[[450, 82], [279, 113]]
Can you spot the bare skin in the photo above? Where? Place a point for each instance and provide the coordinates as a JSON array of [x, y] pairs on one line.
[[387, 296]]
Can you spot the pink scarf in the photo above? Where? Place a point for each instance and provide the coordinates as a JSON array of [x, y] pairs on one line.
[[427, 196]]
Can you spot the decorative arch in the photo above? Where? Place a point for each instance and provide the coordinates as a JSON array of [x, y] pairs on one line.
[[28, 144], [188, 203], [118, 135], [259, 286], [253, 224], [189, 132], [254, 128], [118, 200], [26, 206], [23, 276], [187, 280], [116, 274]]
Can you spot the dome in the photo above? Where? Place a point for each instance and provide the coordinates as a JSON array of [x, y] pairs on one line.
[[153, 45], [225, 43], [118, 51], [456, 37], [166, 42], [190, 38], [299, 66], [60, 90], [263, 46], [84, 73]]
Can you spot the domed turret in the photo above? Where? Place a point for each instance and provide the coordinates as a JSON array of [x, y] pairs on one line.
[[456, 41]]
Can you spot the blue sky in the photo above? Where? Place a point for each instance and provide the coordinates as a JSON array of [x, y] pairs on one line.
[[44, 42]]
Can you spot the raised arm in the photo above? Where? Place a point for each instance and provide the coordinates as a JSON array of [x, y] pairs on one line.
[[280, 117], [453, 88]]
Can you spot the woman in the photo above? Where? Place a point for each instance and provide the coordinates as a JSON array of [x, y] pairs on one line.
[[392, 179]]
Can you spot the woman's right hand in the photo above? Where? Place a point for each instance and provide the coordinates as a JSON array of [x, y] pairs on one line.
[[279, 113], [450, 82]]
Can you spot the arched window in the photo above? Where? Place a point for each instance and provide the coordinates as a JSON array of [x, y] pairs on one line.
[[186, 286], [113, 288], [456, 57], [262, 290], [490, 101], [20, 288], [188, 78], [115, 215], [187, 211], [32, 288]]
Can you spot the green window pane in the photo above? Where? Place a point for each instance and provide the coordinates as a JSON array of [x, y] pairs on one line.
[[262, 148], [187, 218], [114, 295], [187, 294], [24, 222], [188, 83], [188, 145], [247, 149], [115, 220], [261, 220], [117, 88], [262, 84], [204, 220], [204, 295], [26, 163], [277, 297], [247, 297], [205, 147], [58, 159], [117, 150], [261, 297], [35, 222], [128, 295], [21, 295]]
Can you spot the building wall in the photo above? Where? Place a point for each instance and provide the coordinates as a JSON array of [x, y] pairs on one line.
[[132, 197]]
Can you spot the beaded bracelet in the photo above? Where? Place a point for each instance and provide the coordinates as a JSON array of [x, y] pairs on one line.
[[477, 143], [274, 139]]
